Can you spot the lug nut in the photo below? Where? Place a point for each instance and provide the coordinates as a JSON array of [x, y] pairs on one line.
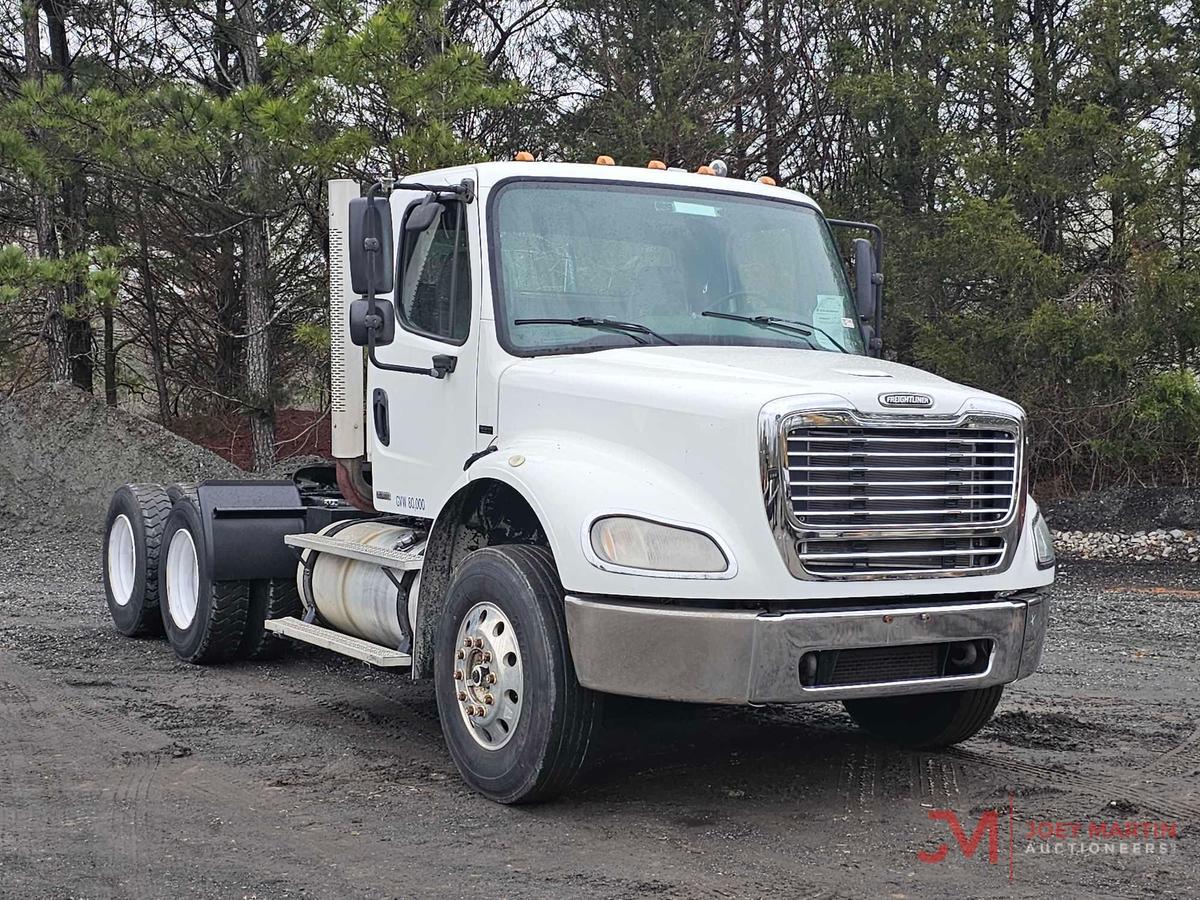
[[462, 695], [458, 675], [460, 655], [478, 643], [491, 679], [487, 656], [467, 642], [489, 699]]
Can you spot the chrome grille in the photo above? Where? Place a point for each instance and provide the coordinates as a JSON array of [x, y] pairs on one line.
[[927, 484], [849, 477], [892, 555]]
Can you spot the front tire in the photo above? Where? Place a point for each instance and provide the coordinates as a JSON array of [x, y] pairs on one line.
[[926, 721], [133, 533], [516, 720], [205, 620]]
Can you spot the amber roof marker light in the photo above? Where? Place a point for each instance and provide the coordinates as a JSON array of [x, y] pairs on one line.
[[524, 156], [705, 170], [767, 179], [604, 161], [657, 164]]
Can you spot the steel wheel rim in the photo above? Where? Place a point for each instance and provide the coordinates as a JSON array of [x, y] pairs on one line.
[[121, 559], [183, 579], [488, 677]]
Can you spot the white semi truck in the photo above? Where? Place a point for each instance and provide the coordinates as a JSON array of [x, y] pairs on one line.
[[614, 430]]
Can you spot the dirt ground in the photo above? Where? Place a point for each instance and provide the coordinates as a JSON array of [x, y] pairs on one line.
[[124, 773]]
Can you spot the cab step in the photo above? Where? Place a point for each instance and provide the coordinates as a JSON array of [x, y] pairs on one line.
[[375, 654], [399, 560]]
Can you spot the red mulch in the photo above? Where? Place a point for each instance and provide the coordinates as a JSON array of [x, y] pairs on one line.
[[298, 432]]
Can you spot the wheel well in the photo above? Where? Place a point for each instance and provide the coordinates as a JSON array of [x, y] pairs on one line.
[[483, 513]]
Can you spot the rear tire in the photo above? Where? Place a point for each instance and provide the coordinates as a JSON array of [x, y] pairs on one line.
[[273, 598], [181, 489], [926, 721], [204, 620], [133, 531], [531, 741]]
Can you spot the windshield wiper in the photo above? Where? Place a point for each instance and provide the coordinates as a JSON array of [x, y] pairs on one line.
[[632, 329], [804, 329]]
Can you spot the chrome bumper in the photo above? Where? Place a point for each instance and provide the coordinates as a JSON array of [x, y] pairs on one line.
[[721, 656]]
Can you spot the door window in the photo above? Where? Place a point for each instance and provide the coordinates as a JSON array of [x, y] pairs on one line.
[[435, 278]]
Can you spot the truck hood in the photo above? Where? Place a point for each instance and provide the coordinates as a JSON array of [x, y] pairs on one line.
[[711, 382]]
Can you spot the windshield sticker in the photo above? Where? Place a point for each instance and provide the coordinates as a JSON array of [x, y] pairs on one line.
[[829, 315], [695, 209]]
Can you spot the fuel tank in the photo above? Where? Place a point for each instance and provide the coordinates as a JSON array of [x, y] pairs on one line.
[[360, 598]]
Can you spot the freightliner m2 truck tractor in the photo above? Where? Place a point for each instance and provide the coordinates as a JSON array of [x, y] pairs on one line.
[[615, 430]]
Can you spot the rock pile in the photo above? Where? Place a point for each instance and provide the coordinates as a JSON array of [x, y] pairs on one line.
[[1176, 544], [63, 452]]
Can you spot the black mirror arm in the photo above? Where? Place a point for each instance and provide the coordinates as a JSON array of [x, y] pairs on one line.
[[465, 189], [439, 369]]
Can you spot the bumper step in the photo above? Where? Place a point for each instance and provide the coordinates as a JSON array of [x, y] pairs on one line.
[[375, 654], [399, 560]]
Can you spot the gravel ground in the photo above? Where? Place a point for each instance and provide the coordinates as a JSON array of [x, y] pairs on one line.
[[124, 773]]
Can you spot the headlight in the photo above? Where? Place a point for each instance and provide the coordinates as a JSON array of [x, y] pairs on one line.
[[1043, 542], [639, 544]]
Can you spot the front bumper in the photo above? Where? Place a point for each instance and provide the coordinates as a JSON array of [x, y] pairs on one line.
[[726, 656]]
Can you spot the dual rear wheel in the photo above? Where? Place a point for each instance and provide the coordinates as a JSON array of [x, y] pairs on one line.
[[158, 578]]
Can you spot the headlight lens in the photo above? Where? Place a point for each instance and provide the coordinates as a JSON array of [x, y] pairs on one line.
[[640, 544], [1043, 542]]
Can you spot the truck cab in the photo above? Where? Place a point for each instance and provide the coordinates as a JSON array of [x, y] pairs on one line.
[[615, 430]]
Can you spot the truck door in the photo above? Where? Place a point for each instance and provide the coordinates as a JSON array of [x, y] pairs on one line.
[[422, 429]]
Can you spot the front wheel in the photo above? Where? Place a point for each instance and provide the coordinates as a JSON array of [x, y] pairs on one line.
[[926, 721], [516, 720]]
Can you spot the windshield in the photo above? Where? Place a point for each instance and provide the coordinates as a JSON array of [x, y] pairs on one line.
[[661, 258]]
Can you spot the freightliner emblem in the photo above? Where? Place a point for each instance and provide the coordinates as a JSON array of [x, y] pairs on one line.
[[923, 401]]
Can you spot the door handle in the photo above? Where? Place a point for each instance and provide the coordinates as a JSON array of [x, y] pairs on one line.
[[379, 412]]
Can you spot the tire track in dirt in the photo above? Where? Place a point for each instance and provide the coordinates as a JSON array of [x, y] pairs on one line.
[[131, 801], [118, 821], [17, 779], [132, 793], [937, 777], [858, 787], [1185, 755], [1103, 789]]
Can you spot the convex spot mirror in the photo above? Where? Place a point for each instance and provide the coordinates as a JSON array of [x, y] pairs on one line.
[[421, 216], [361, 323], [370, 245]]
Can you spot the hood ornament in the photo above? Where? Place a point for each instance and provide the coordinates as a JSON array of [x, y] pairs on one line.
[[920, 401]]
